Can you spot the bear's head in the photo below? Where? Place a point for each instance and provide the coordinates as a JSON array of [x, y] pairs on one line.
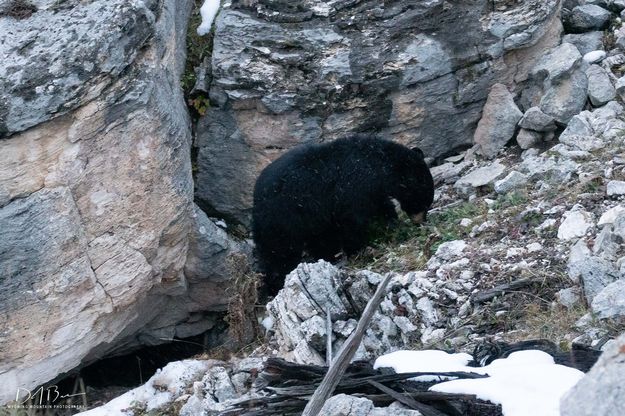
[[413, 185]]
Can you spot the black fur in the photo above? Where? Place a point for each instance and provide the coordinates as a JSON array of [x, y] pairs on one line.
[[321, 199]]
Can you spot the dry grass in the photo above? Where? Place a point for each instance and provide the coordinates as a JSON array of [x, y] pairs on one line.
[[241, 315], [405, 246]]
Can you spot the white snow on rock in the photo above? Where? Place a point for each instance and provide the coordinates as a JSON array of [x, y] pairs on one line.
[[208, 11], [434, 361], [162, 388], [525, 383]]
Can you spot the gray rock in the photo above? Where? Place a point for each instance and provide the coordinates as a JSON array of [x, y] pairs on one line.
[[600, 89], [512, 181], [549, 168], [566, 98], [482, 176], [619, 227], [579, 133], [609, 303], [620, 87], [558, 63], [616, 188], [600, 392], [98, 163], [72, 67], [617, 5], [569, 297], [498, 123], [595, 273], [448, 172], [218, 384], [210, 249], [585, 42], [592, 130], [610, 216], [594, 57], [575, 224], [344, 405], [588, 17], [528, 138], [327, 70], [559, 83], [535, 119]]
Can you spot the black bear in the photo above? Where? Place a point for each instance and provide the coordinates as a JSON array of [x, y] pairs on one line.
[[321, 198]]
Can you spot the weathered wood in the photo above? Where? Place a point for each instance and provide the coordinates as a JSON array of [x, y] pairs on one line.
[[486, 295], [407, 400], [338, 367]]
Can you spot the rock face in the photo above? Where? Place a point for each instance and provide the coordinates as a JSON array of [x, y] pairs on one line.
[[95, 186], [290, 73], [601, 391]]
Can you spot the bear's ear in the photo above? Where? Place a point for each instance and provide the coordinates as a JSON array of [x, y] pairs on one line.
[[418, 151]]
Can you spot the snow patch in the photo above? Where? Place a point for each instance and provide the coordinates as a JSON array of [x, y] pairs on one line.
[[208, 11], [162, 388], [525, 383]]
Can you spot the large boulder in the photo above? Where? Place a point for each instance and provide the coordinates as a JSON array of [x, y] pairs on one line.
[[96, 193], [286, 73], [498, 123], [600, 392]]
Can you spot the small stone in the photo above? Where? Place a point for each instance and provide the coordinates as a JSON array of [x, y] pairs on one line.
[[514, 252], [620, 87], [535, 119], [588, 17], [575, 224], [600, 89], [342, 404], [569, 297], [512, 181], [619, 159], [480, 177], [432, 336], [428, 313], [466, 222], [610, 215], [594, 57], [610, 302], [616, 188], [528, 138], [585, 42], [450, 249], [534, 247]]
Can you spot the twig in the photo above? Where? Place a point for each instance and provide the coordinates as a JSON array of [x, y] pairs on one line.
[[328, 336], [338, 367]]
